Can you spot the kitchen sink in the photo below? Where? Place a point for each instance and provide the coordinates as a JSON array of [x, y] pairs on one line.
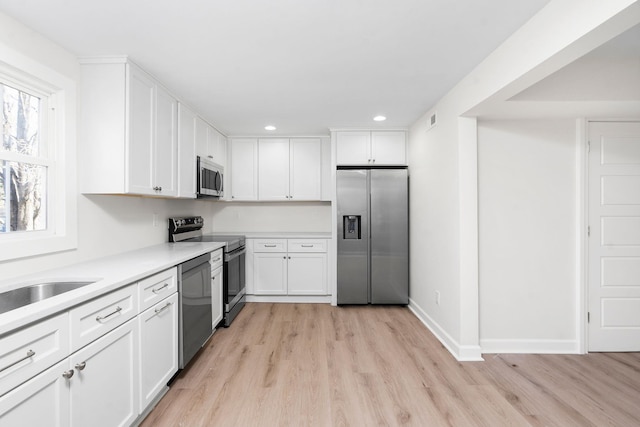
[[21, 297]]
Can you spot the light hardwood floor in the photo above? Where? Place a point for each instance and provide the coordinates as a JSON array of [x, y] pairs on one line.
[[317, 365]]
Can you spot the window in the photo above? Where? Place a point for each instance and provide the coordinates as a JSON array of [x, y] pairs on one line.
[[24, 163], [38, 200]]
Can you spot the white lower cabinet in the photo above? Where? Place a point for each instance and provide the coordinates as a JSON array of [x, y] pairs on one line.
[[95, 386], [158, 348], [290, 267], [101, 363], [104, 388], [270, 273], [41, 401]]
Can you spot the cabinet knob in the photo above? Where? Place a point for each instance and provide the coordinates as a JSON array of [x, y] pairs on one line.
[[67, 374], [81, 366]]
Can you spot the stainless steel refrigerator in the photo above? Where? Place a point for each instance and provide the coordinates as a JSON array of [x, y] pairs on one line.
[[373, 236]]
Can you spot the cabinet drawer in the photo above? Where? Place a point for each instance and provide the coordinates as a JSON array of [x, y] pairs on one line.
[[272, 245], [157, 287], [101, 315], [307, 245], [217, 259], [25, 353]]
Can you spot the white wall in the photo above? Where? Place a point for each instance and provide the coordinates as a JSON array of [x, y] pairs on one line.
[[443, 242], [527, 243], [112, 224], [262, 216]]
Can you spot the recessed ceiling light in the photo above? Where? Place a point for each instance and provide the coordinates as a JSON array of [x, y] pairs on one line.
[[270, 127], [379, 118]]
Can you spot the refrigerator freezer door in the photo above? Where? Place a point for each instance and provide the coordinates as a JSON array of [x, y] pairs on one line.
[[353, 258], [389, 236]]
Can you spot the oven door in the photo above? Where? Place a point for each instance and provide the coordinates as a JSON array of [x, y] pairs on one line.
[[234, 278]]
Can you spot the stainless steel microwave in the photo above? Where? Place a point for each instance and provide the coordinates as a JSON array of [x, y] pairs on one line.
[[210, 179]]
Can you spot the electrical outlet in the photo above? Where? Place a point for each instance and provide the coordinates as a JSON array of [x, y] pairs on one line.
[[155, 220], [437, 297]]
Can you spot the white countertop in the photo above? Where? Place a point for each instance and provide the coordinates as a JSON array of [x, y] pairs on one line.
[[110, 273]]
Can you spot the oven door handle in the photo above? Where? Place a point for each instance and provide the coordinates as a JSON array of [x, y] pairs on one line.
[[233, 255]]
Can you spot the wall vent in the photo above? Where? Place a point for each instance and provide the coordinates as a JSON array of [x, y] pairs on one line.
[[432, 121]]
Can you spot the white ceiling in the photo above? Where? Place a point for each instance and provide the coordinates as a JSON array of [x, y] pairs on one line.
[[302, 65]]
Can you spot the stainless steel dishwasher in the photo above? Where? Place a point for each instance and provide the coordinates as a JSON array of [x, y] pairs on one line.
[[194, 279]]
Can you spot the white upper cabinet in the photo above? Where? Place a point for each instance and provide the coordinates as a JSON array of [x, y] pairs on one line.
[[353, 148], [305, 169], [128, 131], [186, 152], [165, 160], [371, 148], [290, 169], [244, 169], [273, 169], [210, 144]]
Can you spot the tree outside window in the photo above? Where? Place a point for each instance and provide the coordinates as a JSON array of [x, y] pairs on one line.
[[23, 165]]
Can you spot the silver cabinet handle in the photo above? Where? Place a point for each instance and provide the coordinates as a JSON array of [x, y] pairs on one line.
[[30, 353], [116, 311], [217, 259], [156, 290], [269, 246], [159, 310], [80, 366], [307, 246], [211, 157], [67, 374]]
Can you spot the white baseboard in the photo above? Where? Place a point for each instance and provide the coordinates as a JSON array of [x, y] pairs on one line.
[[462, 353], [313, 299], [531, 346]]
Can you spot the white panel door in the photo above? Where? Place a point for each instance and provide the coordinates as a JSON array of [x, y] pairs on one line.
[[270, 273], [186, 152], [158, 348], [389, 148], [140, 154], [353, 148], [166, 144], [307, 274], [305, 169], [244, 169], [273, 169], [41, 401], [104, 388], [614, 242]]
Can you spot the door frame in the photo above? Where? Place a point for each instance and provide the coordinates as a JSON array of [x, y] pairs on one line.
[[582, 224]]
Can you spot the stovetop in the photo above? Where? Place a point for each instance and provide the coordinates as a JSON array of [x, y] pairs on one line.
[[189, 229]]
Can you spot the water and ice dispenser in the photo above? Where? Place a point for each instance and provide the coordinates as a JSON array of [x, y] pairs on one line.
[[351, 227]]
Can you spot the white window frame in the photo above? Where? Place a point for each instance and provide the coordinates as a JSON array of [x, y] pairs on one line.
[[58, 154]]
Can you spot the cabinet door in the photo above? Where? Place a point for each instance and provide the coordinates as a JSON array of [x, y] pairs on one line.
[[186, 152], [105, 391], [305, 174], [216, 144], [273, 169], [307, 274], [202, 146], [244, 169], [388, 148], [41, 401], [270, 273], [216, 297], [158, 348], [353, 148], [166, 144], [140, 144]]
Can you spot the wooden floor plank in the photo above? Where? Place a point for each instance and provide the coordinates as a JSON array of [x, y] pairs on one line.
[[317, 365]]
